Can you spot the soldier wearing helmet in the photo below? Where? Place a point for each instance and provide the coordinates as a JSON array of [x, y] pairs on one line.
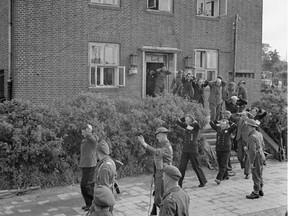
[[162, 157]]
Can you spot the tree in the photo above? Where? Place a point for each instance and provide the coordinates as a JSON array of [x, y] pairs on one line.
[[271, 61]]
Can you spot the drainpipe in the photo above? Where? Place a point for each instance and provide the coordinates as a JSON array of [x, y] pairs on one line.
[[235, 25], [9, 79]]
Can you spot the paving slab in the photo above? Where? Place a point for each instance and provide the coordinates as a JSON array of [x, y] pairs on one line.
[[226, 199]]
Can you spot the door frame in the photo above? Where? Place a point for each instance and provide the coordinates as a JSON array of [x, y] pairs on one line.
[[160, 51]]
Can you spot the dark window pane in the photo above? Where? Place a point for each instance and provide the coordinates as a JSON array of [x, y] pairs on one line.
[[98, 76], [109, 76], [92, 78]]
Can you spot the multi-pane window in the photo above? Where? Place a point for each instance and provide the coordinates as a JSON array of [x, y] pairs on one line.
[[206, 64], [208, 8], [160, 5], [106, 2], [104, 65]]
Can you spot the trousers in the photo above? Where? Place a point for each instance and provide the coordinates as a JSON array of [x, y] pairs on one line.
[[222, 159], [215, 111], [87, 184], [242, 157], [257, 170], [193, 157]]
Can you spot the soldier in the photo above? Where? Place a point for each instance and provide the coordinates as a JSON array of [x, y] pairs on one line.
[[162, 157], [241, 138], [175, 200], [160, 78], [88, 161], [256, 158], [105, 169], [190, 149], [103, 201], [215, 98]]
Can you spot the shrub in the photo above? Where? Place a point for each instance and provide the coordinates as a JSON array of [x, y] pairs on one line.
[[275, 104], [41, 145], [119, 121], [30, 147]]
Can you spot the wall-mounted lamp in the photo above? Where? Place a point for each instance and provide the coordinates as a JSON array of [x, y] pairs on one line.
[[133, 64], [188, 62]]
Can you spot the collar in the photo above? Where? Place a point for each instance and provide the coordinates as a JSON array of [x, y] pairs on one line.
[[171, 190]]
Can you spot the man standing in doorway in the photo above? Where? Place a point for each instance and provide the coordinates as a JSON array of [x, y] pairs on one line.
[[160, 78]]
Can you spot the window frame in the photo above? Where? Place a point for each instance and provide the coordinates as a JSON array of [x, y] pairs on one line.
[[203, 68], [204, 13], [153, 5], [101, 2], [103, 64]]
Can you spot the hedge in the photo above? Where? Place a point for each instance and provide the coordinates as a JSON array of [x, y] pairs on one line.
[[40, 145]]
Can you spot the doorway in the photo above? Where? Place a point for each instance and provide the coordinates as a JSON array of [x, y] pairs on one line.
[[150, 77]]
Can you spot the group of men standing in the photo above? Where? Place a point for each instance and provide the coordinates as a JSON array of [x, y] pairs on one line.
[[99, 170]]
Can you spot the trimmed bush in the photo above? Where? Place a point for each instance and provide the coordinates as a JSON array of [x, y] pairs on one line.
[[41, 145]]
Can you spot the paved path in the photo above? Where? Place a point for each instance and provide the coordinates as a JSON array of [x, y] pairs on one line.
[[225, 199]]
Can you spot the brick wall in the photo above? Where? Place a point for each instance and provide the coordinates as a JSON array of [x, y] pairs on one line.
[[51, 42]]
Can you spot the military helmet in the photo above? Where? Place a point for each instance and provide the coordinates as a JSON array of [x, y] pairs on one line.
[[161, 130]]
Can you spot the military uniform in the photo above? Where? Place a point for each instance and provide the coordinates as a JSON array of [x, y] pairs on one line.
[[241, 139], [103, 200], [255, 145], [162, 157], [223, 148], [105, 169], [175, 202], [190, 152], [106, 172]]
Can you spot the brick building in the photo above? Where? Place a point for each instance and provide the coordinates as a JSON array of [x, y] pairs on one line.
[[56, 49]]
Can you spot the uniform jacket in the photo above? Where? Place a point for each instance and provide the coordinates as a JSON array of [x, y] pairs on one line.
[[254, 144], [242, 130], [190, 143], [106, 172], [88, 156], [162, 156], [223, 139], [175, 202], [215, 96]]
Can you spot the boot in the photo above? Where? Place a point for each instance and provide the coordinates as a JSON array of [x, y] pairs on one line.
[[253, 195]]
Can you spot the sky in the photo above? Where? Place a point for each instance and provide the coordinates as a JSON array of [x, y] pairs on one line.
[[275, 26]]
